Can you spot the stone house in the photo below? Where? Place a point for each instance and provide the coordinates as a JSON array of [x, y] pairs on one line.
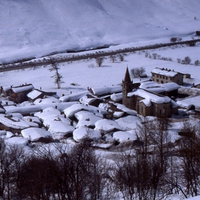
[[18, 94], [144, 102], [162, 75]]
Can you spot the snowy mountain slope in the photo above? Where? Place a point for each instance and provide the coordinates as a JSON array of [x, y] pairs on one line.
[[34, 28]]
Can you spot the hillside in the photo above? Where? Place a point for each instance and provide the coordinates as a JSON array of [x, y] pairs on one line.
[[35, 28]]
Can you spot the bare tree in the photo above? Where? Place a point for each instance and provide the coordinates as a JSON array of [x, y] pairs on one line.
[[121, 57], [155, 151], [58, 79], [99, 61], [189, 149], [112, 58], [136, 72]]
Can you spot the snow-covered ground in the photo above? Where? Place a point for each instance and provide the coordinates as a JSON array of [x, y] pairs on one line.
[[77, 77], [35, 28]]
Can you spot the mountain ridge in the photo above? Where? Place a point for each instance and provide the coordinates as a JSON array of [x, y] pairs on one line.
[[36, 28]]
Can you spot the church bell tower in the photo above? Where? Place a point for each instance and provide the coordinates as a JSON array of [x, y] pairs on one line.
[[126, 85]]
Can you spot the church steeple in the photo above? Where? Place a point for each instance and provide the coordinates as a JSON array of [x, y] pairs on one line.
[[127, 76], [126, 85]]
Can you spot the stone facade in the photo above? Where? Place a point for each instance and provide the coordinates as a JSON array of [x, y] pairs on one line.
[[161, 75], [145, 102]]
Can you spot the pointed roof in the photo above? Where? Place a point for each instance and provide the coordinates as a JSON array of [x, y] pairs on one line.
[[127, 77]]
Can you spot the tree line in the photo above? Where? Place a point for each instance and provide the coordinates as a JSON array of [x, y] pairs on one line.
[[153, 168]]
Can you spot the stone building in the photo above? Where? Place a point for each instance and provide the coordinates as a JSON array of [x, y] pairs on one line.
[[144, 102], [18, 94], [162, 75]]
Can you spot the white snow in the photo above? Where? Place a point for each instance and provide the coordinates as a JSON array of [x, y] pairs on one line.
[[99, 91], [70, 111], [116, 96], [194, 198], [33, 94], [123, 136], [128, 122], [149, 97], [35, 134], [106, 125], [60, 129], [34, 28], [14, 122], [73, 97], [86, 118], [22, 88], [83, 132], [187, 102], [17, 141], [164, 72], [158, 88]]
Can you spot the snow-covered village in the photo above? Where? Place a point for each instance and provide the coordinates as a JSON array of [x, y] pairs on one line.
[[105, 115]]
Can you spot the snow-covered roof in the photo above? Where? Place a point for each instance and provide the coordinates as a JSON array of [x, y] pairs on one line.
[[122, 136], [34, 134], [159, 88], [116, 96], [107, 125], [70, 111], [149, 97], [128, 122], [60, 129], [125, 109], [170, 86], [86, 118], [6, 88], [164, 72], [73, 97], [106, 90], [17, 141], [89, 99], [82, 132], [14, 122], [22, 88], [34, 94], [187, 102]]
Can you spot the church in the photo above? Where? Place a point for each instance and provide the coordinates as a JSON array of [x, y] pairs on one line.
[[144, 102]]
